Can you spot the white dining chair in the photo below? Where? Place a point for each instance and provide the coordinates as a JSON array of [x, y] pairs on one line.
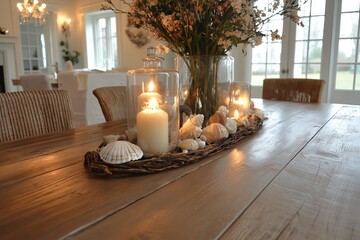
[[39, 81]]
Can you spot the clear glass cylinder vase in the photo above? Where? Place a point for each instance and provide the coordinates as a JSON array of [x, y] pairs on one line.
[[153, 106], [205, 82], [240, 97]]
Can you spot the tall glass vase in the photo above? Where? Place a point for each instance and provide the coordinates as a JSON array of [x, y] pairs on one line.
[[205, 82]]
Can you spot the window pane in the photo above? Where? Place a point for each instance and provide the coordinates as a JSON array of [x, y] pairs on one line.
[[349, 25], [303, 32], [32, 39], [273, 71], [313, 71], [300, 51], [357, 83], [317, 27], [358, 53], [346, 53], [344, 76], [349, 6], [318, 7], [315, 48], [305, 9], [300, 70], [274, 52], [259, 54], [258, 74], [113, 26], [102, 27]]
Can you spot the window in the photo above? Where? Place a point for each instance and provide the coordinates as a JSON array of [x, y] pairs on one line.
[[101, 36], [266, 57], [309, 40], [348, 55], [34, 47]]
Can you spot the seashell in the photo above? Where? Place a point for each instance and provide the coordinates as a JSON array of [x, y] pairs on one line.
[[214, 132], [185, 113], [244, 121], [123, 137], [252, 104], [200, 142], [192, 127], [231, 125], [188, 144], [120, 152], [222, 110], [109, 139], [219, 116], [202, 138], [197, 120], [260, 113]]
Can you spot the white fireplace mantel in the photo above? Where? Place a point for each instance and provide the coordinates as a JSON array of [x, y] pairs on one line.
[[10, 58]]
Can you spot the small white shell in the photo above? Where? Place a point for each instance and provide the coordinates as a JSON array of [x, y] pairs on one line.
[[110, 139], [120, 152], [214, 132], [244, 121], [200, 142], [231, 125], [222, 110], [188, 144]]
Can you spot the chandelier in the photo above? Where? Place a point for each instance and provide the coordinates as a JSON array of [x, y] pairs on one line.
[[32, 11]]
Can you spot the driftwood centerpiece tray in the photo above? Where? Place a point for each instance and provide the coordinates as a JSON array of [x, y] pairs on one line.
[[171, 160]]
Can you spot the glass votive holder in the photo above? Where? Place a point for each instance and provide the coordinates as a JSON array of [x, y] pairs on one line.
[[239, 99], [153, 107]]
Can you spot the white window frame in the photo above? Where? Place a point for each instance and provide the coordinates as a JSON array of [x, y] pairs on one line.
[[92, 44]]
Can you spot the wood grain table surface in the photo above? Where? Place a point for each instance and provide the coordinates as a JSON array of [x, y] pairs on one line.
[[298, 177]]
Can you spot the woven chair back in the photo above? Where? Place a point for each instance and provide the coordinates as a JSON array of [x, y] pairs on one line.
[[293, 89], [32, 113], [112, 101]]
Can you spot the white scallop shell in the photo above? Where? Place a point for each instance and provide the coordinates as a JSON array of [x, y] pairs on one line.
[[231, 125], [214, 132], [188, 144], [120, 152]]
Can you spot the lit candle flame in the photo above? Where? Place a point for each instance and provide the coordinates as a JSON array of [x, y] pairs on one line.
[[236, 114], [151, 86], [153, 104]]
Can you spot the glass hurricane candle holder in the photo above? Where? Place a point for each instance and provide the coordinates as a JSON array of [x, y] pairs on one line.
[[153, 106], [239, 99]]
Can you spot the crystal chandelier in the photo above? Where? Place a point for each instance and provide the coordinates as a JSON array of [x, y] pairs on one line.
[[32, 11]]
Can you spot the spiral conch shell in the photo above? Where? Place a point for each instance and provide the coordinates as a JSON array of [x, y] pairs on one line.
[[219, 116], [120, 152], [215, 132], [192, 127]]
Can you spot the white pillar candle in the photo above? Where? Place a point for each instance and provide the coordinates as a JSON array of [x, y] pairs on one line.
[[153, 131]]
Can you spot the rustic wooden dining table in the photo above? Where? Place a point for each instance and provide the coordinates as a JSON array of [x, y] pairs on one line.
[[298, 177]]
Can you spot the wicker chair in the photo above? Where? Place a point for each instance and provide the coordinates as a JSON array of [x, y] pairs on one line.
[[112, 101], [32, 113], [293, 89]]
